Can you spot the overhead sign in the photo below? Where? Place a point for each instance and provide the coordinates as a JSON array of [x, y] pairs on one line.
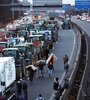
[[82, 7], [82, 4]]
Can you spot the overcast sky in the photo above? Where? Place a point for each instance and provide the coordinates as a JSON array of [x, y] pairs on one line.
[[72, 2]]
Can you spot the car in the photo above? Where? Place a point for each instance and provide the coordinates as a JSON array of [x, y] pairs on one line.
[[83, 18], [88, 19]]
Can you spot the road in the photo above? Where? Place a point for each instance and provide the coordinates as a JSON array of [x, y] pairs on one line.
[[45, 85], [84, 25]]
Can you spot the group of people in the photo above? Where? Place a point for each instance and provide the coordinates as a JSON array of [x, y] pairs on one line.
[[58, 89]]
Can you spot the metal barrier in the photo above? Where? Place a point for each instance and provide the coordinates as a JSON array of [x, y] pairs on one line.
[[81, 92], [73, 73]]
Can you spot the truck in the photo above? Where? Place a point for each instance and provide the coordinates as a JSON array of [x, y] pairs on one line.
[[14, 52], [7, 77]]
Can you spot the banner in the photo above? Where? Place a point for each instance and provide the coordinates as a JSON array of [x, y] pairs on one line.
[[32, 66], [52, 58]]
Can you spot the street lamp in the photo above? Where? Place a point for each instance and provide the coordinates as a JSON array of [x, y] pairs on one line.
[[88, 12], [12, 10]]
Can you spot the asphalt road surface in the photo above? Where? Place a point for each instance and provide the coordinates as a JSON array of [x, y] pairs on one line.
[[45, 85]]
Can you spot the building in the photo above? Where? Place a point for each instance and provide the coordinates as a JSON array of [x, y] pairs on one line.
[[82, 5], [5, 12], [46, 5]]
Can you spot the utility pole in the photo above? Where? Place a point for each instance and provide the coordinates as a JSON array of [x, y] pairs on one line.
[[13, 10]]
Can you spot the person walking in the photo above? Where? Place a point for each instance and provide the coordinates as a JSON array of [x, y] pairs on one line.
[[40, 97], [31, 74], [65, 59], [50, 69], [56, 84], [66, 83], [25, 90], [46, 52], [59, 93], [19, 88], [66, 67], [40, 71]]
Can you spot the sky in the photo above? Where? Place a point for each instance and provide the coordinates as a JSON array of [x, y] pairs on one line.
[[72, 2], [63, 1]]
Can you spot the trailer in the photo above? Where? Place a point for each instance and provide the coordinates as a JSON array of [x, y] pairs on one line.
[[7, 76]]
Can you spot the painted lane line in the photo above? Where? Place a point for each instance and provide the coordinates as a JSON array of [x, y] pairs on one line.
[[63, 76]]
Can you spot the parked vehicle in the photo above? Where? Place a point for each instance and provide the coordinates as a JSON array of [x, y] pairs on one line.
[[11, 41], [7, 77], [2, 37], [11, 34], [24, 50], [2, 46], [66, 24], [23, 33], [88, 19], [37, 42], [14, 52]]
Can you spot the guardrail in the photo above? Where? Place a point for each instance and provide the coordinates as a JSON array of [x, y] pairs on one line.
[[73, 62], [76, 63], [81, 92], [73, 73]]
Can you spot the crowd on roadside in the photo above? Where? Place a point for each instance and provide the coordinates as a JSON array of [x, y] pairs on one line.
[[58, 88]]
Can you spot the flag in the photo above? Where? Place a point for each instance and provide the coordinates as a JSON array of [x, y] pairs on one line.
[[52, 58]]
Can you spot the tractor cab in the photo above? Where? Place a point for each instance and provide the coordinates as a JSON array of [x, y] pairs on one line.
[[35, 39], [2, 46], [19, 61], [24, 50], [37, 42], [13, 52], [23, 33]]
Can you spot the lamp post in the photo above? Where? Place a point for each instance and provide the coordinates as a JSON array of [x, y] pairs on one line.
[[82, 10], [88, 12], [12, 10]]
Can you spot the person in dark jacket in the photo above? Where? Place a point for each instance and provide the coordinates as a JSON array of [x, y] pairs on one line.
[[25, 90], [40, 71], [59, 93], [19, 88], [50, 69], [46, 52], [66, 83], [31, 74], [56, 84], [65, 59]]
